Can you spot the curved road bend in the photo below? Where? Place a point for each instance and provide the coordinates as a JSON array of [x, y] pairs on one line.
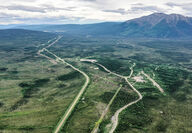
[[114, 120], [77, 98], [105, 111], [131, 68]]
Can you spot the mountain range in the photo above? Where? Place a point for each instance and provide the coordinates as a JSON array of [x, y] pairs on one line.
[[159, 25], [156, 25]]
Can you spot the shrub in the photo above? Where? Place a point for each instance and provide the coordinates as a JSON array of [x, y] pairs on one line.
[[180, 96], [161, 126], [69, 76]]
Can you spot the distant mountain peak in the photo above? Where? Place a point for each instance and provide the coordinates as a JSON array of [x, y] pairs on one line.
[[156, 25], [156, 18], [158, 14], [159, 25]]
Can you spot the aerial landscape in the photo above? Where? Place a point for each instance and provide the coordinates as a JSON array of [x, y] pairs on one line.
[[93, 66]]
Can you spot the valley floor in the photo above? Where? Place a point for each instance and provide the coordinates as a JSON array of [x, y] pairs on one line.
[[95, 85]]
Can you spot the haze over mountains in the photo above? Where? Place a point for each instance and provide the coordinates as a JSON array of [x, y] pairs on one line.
[[157, 25]]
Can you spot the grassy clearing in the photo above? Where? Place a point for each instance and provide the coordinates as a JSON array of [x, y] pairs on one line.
[[31, 97]]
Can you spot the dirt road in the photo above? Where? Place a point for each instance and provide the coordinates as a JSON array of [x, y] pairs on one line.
[[77, 98], [114, 120], [153, 81], [131, 68], [95, 130]]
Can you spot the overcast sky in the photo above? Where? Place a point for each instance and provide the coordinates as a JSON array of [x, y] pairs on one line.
[[85, 11]]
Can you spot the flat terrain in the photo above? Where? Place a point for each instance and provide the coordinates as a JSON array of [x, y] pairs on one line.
[[134, 87]]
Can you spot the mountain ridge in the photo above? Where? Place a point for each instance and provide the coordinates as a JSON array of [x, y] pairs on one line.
[[157, 17], [159, 25], [156, 25]]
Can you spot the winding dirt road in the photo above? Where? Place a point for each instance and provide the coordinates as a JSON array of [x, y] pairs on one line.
[[77, 98], [131, 73], [95, 130], [114, 119], [153, 81], [41, 50], [109, 71]]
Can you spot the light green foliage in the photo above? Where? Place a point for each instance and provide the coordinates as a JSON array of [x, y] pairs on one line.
[[34, 93]]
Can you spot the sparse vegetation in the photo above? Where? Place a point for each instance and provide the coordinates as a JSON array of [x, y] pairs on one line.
[[34, 93], [69, 76]]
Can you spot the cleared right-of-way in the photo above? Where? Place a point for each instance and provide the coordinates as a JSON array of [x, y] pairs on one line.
[[153, 81], [114, 120], [77, 98]]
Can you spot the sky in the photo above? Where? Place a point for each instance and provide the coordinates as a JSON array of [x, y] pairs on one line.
[[85, 11]]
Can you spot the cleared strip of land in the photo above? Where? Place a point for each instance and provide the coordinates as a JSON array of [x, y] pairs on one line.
[[105, 111], [77, 98], [153, 81], [114, 120]]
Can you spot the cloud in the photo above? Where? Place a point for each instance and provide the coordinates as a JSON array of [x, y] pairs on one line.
[[171, 4], [146, 8], [86, 11], [24, 8], [120, 11], [89, 0], [187, 7], [136, 9], [42, 9]]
